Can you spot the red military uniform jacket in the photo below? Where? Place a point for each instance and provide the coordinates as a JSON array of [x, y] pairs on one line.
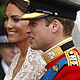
[[63, 62]]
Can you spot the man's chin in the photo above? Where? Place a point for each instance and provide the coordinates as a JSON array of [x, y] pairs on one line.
[[35, 48]]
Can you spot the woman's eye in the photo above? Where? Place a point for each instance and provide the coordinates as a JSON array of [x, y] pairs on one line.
[[6, 18], [16, 19]]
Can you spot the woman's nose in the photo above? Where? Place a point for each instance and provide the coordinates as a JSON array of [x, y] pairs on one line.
[[8, 24]]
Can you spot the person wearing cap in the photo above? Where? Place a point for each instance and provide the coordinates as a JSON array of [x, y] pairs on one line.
[[50, 29], [28, 65], [7, 51]]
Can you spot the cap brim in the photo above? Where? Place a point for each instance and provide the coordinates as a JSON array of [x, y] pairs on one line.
[[32, 16]]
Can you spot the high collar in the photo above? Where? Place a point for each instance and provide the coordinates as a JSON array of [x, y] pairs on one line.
[[4, 66], [58, 50]]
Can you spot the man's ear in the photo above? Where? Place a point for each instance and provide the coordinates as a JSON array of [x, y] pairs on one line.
[[56, 25]]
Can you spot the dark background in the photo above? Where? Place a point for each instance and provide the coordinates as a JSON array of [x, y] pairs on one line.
[[2, 10]]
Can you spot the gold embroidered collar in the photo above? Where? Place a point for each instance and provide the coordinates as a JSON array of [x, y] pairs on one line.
[[58, 50]]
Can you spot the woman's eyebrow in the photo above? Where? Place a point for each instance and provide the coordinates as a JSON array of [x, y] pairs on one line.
[[15, 16]]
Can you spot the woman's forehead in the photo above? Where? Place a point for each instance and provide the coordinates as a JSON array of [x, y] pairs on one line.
[[13, 10]]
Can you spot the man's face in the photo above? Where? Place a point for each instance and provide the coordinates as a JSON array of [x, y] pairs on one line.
[[8, 51], [40, 34]]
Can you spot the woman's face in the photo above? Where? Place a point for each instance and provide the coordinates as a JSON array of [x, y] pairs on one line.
[[16, 28]]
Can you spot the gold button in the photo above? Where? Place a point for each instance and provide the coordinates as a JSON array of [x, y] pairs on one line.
[[56, 13], [45, 70]]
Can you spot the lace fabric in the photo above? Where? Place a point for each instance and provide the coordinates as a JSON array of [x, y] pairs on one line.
[[32, 68]]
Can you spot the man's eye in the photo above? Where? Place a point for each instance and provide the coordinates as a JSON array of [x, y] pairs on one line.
[[32, 23], [16, 19]]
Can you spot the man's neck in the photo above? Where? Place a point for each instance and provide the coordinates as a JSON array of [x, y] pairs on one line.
[[56, 51]]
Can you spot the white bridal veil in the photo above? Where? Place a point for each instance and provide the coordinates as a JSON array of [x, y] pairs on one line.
[[76, 31]]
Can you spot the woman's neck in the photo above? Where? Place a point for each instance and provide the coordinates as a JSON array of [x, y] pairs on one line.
[[24, 45]]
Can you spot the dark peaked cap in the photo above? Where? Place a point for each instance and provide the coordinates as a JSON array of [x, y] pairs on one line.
[[59, 8]]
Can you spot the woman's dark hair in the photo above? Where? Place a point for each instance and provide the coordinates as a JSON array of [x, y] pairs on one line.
[[21, 4]]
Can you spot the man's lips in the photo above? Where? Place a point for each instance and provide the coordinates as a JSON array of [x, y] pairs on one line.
[[31, 39]]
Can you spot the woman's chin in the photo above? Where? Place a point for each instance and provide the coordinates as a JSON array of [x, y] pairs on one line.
[[11, 40]]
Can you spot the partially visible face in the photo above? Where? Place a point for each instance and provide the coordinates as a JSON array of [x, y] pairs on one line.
[[40, 34], [8, 51], [15, 27]]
